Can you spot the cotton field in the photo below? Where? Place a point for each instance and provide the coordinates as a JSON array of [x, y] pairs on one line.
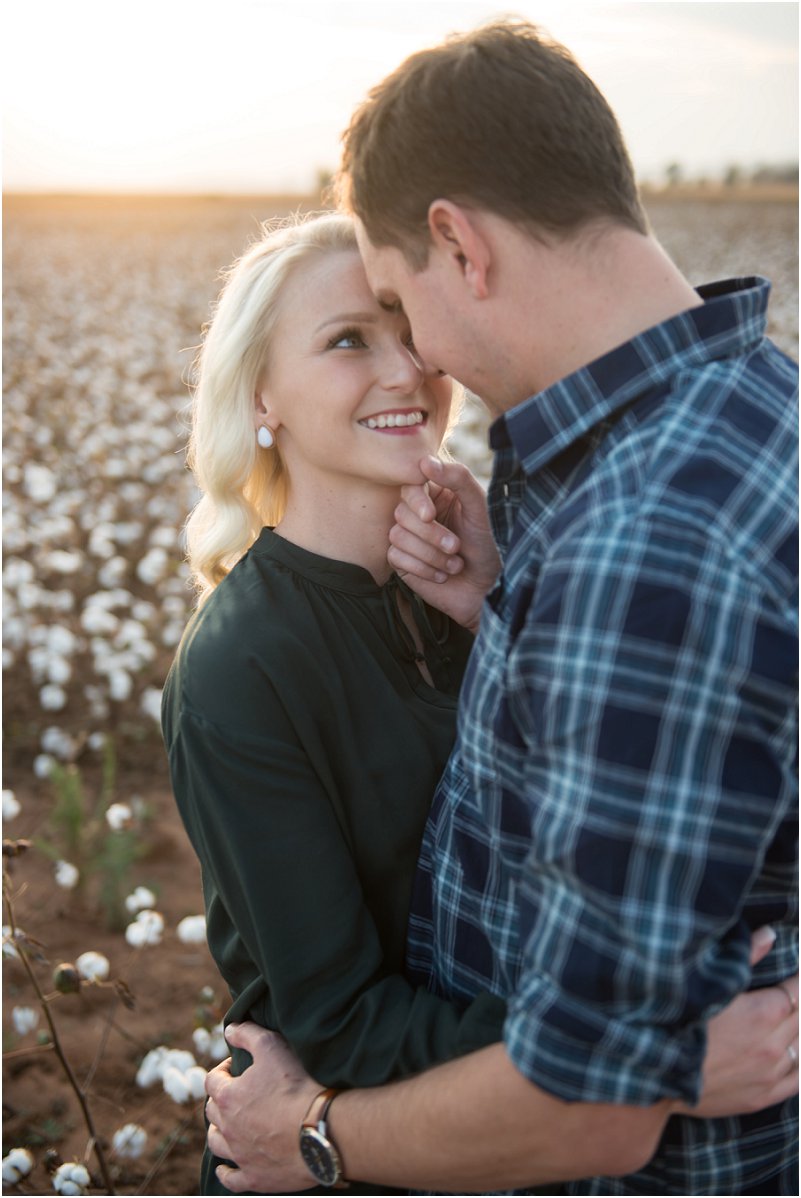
[[104, 301]]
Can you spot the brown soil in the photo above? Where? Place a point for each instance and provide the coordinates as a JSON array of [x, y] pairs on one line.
[[104, 1039]]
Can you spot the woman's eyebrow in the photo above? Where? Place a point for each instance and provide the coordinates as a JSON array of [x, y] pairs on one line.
[[345, 317]]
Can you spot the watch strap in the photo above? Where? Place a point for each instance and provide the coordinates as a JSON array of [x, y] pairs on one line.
[[313, 1116]]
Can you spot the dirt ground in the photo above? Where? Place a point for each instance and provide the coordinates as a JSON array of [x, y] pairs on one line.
[[103, 1036]]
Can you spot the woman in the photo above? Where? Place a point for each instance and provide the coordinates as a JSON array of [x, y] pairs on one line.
[[311, 706]]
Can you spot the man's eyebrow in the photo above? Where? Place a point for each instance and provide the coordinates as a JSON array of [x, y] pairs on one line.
[[393, 306]]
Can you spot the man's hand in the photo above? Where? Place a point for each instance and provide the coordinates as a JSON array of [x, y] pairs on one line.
[[441, 543], [752, 1048], [255, 1119]]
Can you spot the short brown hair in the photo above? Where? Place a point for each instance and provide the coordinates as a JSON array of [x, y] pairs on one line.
[[503, 118]]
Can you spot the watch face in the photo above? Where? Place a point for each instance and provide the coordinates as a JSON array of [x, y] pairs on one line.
[[320, 1156]]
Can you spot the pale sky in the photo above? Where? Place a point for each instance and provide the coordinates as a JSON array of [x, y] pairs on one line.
[[252, 95]]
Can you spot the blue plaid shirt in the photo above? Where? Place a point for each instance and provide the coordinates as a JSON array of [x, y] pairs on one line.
[[620, 811]]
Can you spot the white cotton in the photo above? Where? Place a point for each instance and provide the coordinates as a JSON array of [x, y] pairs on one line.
[[192, 929], [120, 685], [71, 1178], [140, 899], [118, 815], [146, 929], [25, 1019], [176, 1084], [43, 765], [67, 875], [11, 805], [150, 703], [9, 947], [92, 966], [16, 1165], [211, 1044], [196, 1077], [129, 1142], [151, 1068], [52, 697], [63, 561]]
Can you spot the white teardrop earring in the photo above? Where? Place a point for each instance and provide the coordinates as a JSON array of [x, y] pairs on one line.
[[265, 437]]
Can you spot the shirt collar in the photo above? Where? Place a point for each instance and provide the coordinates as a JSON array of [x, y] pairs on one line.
[[731, 320]]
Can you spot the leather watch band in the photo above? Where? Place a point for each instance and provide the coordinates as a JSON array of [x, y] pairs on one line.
[[312, 1117]]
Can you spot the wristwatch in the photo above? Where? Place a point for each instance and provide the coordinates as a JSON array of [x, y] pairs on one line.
[[319, 1152]]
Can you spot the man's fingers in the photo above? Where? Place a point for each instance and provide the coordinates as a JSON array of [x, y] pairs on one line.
[[762, 941], [217, 1077], [418, 500], [411, 568], [412, 554], [249, 1036], [431, 534], [217, 1141], [789, 988], [232, 1179]]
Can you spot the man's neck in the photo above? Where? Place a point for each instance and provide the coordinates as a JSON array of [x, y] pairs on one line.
[[577, 300]]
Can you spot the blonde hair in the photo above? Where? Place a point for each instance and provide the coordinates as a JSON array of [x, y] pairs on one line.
[[244, 488]]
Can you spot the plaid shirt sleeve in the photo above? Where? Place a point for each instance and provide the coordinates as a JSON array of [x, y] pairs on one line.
[[649, 680]]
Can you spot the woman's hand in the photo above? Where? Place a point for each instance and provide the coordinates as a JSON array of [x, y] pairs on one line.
[[752, 1049], [441, 543]]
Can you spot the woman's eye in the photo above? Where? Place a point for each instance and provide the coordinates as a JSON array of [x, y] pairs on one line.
[[351, 339]]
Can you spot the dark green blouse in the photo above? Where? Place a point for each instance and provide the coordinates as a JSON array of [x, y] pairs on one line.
[[304, 749]]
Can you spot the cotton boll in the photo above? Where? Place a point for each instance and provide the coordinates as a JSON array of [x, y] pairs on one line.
[[151, 1068], [25, 1019], [59, 670], [129, 1142], [150, 703], [146, 929], [196, 1078], [43, 765], [63, 561], [11, 805], [52, 698], [67, 875], [120, 685], [16, 1165], [92, 966], [176, 1085], [39, 483], [71, 1178], [58, 743], [118, 815], [140, 899], [192, 929]]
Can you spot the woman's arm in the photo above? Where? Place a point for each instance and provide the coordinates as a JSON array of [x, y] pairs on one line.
[[289, 909]]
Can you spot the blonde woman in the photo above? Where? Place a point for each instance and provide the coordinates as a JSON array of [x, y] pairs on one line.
[[312, 703], [311, 707]]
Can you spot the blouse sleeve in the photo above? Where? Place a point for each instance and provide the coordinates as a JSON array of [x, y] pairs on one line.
[[274, 850]]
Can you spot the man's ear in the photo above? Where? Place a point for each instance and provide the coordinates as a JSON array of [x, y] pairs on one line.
[[456, 234]]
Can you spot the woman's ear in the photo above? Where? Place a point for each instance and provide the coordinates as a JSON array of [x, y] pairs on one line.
[[458, 238], [261, 410]]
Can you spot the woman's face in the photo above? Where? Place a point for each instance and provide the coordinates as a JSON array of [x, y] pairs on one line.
[[344, 391]]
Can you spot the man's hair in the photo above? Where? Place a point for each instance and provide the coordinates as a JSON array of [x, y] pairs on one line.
[[501, 118]]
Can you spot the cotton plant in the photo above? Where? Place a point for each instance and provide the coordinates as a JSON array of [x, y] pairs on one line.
[[177, 1070], [129, 1142], [17, 1164], [146, 929], [25, 1019], [71, 1178]]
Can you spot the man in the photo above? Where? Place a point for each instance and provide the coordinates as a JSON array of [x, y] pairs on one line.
[[617, 815]]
